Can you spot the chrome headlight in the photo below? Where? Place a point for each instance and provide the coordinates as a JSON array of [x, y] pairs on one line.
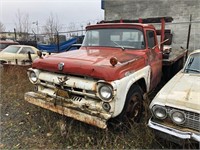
[[159, 112], [177, 117], [33, 76], [105, 92]]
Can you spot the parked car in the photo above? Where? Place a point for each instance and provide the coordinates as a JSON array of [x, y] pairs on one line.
[[176, 107], [73, 47], [18, 54], [4, 44]]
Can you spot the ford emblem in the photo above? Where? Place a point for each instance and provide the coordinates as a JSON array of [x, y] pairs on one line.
[[61, 66]]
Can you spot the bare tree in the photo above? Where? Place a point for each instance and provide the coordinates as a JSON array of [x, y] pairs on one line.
[[22, 23], [72, 26], [25, 23], [51, 27], [18, 23], [2, 27]]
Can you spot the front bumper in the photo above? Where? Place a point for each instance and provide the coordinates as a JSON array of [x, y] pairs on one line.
[[79, 112], [174, 132]]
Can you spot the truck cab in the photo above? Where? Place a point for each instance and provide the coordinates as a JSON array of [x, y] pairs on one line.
[[117, 64], [130, 40]]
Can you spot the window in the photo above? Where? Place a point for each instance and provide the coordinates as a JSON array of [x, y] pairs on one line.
[[11, 49], [92, 38], [193, 65], [150, 38], [127, 38], [2, 46], [25, 50]]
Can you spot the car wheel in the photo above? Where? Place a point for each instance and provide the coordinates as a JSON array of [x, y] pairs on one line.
[[133, 108]]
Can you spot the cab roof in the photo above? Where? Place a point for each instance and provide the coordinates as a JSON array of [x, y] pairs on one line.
[[127, 23], [119, 25]]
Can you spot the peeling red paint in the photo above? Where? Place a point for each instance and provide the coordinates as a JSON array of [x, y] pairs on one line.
[[94, 62]]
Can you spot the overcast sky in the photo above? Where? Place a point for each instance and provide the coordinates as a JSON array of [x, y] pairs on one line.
[[79, 12]]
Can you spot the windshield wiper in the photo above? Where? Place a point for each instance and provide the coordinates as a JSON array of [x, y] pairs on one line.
[[195, 70], [190, 62], [118, 45]]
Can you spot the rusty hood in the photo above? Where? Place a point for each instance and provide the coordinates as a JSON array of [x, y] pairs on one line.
[[92, 62], [182, 92]]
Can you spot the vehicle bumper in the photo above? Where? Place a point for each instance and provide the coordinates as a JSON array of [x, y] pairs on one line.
[[67, 108], [173, 132]]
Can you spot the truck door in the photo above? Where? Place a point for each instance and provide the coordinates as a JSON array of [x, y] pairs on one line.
[[154, 58]]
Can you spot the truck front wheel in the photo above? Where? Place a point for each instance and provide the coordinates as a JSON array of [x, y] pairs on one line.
[[133, 108]]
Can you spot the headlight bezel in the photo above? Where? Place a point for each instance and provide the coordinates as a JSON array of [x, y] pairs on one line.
[[172, 113], [105, 86], [162, 110], [33, 75]]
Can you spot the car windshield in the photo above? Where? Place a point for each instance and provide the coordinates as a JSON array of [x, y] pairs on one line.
[[2, 46], [124, 38], [193, 64], [11, 49]]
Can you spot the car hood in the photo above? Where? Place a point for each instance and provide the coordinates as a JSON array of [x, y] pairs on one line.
[[92, 62], [182, 92]]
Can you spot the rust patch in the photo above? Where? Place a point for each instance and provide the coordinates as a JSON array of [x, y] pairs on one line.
[[33, 98]]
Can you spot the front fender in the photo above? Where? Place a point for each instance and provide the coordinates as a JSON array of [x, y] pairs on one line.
[[123, 85]]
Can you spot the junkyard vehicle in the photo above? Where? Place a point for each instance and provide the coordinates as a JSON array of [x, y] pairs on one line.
[[4, 44], [176, 108], [18, 54], [108, 77]]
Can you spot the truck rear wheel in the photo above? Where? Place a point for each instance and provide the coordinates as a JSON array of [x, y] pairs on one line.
[[133, 108]]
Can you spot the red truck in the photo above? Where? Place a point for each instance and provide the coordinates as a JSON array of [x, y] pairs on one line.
[[118, 64]]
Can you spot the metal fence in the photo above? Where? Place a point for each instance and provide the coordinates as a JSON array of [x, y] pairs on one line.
[[180, 32]]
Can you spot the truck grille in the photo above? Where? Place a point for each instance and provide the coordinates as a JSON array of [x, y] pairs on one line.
[[78, 87], [76, 98], [192, 120]]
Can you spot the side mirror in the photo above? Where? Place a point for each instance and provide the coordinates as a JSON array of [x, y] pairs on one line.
[[29, 56], [160, 43], [39, 53]]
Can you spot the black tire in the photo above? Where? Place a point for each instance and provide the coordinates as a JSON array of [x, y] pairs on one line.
[[133, 108]]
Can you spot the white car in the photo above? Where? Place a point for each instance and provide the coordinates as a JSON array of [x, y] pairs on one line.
[[18, 54], [176, 107]]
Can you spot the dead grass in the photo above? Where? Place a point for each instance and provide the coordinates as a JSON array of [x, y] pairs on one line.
[[26, 126]]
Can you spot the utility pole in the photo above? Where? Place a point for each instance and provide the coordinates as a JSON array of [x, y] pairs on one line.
[[82, 29], [58, 41], [36, 23], [15, 34], [36, 35]]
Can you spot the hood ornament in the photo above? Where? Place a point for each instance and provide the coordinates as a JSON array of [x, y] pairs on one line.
[[62, 80], [61, 66]]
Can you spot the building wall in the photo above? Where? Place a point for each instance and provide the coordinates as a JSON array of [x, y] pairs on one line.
[[180, 10], [11, 35]]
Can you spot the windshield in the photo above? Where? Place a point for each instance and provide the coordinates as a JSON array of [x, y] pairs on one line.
[[2, 46], [193, 64], [11, 49], [124, 38]]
